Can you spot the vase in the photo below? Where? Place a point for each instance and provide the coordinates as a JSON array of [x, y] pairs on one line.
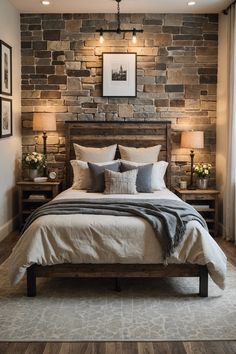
[[33, 173], [202, 183]]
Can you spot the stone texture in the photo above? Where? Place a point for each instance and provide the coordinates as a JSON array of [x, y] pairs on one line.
[[78, 73], [52, 24], [177, 103], [174, 88], [176, 75], [74, 84], [125, 111], [58, 45], [51, 35], [45, 69], [73, 65], [162, 40], [50, 94], [73, 25]]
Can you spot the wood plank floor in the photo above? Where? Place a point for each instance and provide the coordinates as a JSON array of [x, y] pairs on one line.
[[221, 347], [204, 347]]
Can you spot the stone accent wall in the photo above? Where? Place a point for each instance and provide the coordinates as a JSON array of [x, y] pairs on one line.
[[176, 76]]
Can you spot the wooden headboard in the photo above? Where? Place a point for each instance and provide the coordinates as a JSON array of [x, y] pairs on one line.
[[135, 134]]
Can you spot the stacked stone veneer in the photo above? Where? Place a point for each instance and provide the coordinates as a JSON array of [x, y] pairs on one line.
[[176, 75]]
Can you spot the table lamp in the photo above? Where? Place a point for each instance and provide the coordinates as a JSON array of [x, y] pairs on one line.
[[192, 140], [45, 122]]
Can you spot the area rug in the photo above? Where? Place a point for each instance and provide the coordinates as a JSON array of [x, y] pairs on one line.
[[90, 310]]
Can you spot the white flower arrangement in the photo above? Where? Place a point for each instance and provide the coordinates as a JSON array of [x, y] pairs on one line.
[[202, 170], [34, 160]]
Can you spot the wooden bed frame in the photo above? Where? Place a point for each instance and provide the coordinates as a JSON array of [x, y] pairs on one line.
[[135, 134]]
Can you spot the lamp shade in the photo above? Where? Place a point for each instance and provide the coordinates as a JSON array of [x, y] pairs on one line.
[[45, 122], [192, 140]]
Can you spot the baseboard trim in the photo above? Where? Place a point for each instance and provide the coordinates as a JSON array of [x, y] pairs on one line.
[[8, 227]]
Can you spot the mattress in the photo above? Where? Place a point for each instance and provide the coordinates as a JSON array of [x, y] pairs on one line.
[[78, 194], [101, 239]]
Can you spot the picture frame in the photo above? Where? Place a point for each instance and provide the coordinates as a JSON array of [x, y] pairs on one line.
[[119, 75], [5, 117], [6, 69]]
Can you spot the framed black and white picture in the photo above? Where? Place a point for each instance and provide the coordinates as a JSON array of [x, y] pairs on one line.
[[5, 117], [119, 75], [6, 69]]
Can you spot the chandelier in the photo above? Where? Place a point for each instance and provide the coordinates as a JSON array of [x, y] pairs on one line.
[[119, 30]]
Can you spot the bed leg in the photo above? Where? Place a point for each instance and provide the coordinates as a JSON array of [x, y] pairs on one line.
[[31, 282], [117, 285], [203, 281]]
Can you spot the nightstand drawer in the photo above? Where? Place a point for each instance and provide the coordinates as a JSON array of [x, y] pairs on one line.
[[36, 188], [199, 197]]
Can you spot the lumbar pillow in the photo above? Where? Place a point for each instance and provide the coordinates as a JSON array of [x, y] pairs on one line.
[[148, 155], [121, 183], [97, 175], [158, 173], [144, 177], [90, 154], [81, 173]]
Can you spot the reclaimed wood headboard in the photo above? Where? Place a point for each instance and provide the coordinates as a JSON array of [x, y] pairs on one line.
[[135, 134]]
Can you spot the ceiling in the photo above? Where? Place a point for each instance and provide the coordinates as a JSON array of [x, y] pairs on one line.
[[127, 6]]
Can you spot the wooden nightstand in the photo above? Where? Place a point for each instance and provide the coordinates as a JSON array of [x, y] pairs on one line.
[[33, 194], [205, 201]]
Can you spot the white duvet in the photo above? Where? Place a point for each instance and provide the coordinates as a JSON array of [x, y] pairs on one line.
[[55, 239]]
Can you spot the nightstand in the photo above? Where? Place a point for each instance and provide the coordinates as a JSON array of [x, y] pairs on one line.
[[33, 194], [205, 201]]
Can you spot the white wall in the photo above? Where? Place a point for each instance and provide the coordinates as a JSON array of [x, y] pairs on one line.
[[10, 148], [222, 109]]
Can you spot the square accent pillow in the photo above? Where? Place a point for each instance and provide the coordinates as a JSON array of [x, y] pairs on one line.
[[81, 174], [120, 183], [144, 177], [158, 173], [146, 155], [90, 154], [97, 175]]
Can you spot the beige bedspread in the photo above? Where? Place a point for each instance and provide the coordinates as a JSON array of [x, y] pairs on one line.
[[110, 239]]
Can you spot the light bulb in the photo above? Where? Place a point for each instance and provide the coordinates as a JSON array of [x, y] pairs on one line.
[[45, 2], [191, 3], [101, 39], [134, 39]]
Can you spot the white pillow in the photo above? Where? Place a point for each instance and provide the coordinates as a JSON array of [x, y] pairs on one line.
[[81, 173], [90, 154], [158, 173], [146, 155]]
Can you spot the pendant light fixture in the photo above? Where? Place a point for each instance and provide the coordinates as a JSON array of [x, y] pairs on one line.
[[119, 30]]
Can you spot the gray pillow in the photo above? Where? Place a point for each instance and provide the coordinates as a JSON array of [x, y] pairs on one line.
[[144, 177], [120, 183], [97, 175]]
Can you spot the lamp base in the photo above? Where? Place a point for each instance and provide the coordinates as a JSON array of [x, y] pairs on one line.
[[45, 151], [192, 188]]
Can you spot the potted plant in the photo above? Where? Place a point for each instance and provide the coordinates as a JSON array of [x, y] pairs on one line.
[[202, 171], [34, 162]]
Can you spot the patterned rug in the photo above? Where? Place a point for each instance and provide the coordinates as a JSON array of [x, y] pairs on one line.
[[90, 310]]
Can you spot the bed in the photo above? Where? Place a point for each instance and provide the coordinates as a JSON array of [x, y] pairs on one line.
[[113, 246]]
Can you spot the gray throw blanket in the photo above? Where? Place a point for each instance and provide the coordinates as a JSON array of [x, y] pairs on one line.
[[167, 217]]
